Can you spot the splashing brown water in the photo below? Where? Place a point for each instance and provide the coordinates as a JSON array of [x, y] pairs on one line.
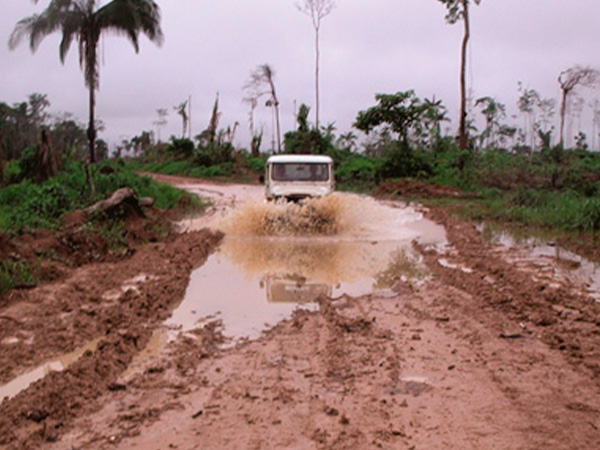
[[325, 216]]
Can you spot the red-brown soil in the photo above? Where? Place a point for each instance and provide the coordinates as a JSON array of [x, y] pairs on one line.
[[491, 351], [412, 188]]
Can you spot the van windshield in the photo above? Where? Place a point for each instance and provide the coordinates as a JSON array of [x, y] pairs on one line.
[[300, 172]]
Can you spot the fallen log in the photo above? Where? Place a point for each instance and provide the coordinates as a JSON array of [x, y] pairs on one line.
[[119, 197]]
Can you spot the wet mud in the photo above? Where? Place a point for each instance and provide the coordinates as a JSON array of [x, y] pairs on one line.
[[402, 329]]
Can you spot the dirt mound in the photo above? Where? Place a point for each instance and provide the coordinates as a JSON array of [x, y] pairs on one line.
[[118, 302], [47, 255], [411, 188], [564, 319]]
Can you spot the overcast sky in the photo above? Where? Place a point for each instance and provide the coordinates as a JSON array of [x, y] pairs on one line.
[[367, 47]]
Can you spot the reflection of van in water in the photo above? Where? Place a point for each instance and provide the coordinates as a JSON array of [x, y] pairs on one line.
[[295, 177], [294, 290]]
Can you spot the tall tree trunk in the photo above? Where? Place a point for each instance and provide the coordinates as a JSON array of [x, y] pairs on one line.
[[91, 131], [463, 141], [278, 127], [563, 111], [92, 82], [2, 163], [317, 57], [276, 106]]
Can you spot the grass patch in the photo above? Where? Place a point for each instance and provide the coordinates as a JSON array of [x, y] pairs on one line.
[[29, 205], [14, 273]]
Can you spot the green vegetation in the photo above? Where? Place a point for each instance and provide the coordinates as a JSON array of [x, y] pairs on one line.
[[548, 187], [13, 274], [509, 175], [24, 204]]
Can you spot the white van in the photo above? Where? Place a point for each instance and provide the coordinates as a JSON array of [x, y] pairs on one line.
[[295, 177]]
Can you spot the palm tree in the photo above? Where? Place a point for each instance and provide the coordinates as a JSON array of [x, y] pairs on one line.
[[262, 82], [85, 22], [493, 111]]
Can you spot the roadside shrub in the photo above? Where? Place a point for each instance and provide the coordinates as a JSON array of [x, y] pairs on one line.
[[586, 217], [181, 148], [49, 200], [26, 162], [256, 164], [12, 173], [214, 154], [307, 141], [27, 205], [530, 198], [400, 160], [451, 167], [358, 168]]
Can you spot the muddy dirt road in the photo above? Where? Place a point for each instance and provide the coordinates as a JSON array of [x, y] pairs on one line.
[[362, 324]]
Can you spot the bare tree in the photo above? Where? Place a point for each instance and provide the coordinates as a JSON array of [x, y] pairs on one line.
[[459, 10], [213, 124], [574, 110], [181, 109], [569, 80], [46, 160], [261, 82], [2, 162], [316, 10], [527, 103], [162, 120], [493, 111], [595, 105]]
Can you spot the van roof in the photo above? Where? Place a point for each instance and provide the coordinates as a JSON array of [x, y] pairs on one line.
[[316, 159]]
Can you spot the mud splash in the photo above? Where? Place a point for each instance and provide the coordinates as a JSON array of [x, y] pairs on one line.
[[277, 257], [326, 216], [342, 216]]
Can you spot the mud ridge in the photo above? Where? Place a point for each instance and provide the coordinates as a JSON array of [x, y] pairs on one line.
[[564, 318], [123, 320]]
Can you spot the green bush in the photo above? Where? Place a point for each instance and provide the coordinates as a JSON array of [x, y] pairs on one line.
[[310, 141], [400, 160], [26, 162], [214, 154], [181, 148], [33, 206], [14, 273], [256, 164], [12, 173], [358, 168]]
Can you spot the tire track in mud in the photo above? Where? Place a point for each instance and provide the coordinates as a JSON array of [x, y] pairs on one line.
[[43, 412], [421, 369], [436, 364], [514, 321], [562, 316]]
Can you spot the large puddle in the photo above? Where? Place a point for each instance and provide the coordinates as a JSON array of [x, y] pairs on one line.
[[276, 258], [550, 259]]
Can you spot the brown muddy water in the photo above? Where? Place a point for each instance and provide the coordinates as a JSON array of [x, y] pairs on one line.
[[23, 381], [278, 257], [550, 258]]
